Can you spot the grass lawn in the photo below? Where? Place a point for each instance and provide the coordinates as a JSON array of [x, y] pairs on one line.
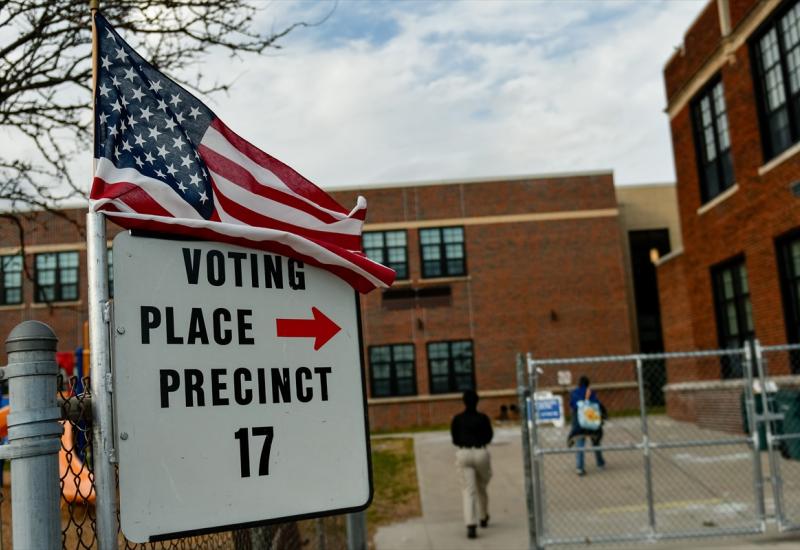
[[394, 474]]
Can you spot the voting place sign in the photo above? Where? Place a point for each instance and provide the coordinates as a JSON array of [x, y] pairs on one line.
[[238, 389]]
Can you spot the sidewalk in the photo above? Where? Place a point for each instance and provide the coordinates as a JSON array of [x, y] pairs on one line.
[[441, 526]]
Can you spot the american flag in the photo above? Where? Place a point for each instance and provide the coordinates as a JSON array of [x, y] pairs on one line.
[[165, 163]]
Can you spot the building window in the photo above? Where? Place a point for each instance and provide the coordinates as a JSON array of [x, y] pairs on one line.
[[734, 312], [57, 277], [713, 141], [789, 265], [442, 251], [388, 248], [451, 366], [777, 54], [11, 278], [392, 371]]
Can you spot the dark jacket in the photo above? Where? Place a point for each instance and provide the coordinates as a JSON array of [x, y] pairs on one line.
[[471, 429], [579, 394]]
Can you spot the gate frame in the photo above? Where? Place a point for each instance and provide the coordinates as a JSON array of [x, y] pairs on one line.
[[538, 533]]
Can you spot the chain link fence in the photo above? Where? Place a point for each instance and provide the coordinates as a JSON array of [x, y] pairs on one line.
[[671, 460], [78, 517]]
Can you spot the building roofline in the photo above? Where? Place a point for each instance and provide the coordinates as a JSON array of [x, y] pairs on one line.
[[458, 181], [646, 185]]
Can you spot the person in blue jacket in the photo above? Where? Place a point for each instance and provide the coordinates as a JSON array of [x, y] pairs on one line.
[[577, 434]]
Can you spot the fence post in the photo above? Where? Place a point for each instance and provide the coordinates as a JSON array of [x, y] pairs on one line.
[[357, 531], [34, 436], [537, 459], [767, 418], [648, 463], [752, 426], [523, 394]]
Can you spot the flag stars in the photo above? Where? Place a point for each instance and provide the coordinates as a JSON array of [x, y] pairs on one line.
[[121, 54], [115, 81], [149, 157], [186, 161], [170, 124], [146, 114], [155, 86], [160, 174], [182, 187], [171, 169], [154, 133], [138, 160], [132, 121], [178, 143], [179, 117], [110, 34], [139, 140], [195, 180], [194, 112], [162, 151], [138, 94], [175, 100], [126, 146], [162, 105], [123, 100], [104, 90], [106, 62], [103, 118], [116, 106], [203, 197], [130, 74], [112, 131]]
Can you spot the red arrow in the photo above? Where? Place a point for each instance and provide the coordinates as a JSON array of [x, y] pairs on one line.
[[321, 328]]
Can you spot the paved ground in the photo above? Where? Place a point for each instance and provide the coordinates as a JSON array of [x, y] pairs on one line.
[[697, 489]]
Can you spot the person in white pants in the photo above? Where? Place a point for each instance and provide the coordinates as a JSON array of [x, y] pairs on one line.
[[472, 432]]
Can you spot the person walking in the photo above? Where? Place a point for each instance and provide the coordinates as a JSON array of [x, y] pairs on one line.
[[471, 432], [590, 426]]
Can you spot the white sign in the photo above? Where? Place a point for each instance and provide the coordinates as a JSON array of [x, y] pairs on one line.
[[238, 389], [564, 378]]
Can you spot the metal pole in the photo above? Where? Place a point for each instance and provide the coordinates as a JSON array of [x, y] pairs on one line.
[[357, 531], [533, 436], [34, 436], [767, 417], [523, 394], [752, 425], [102, 418], [648, 465]]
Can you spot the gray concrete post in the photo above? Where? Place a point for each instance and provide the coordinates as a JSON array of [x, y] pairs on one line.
[[523, 394], [34, 436]]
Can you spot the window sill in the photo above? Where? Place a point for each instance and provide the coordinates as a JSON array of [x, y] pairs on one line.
[[43, 305], [722, 197], [426, 398], [11, 307], [441, 280], [780, 159]]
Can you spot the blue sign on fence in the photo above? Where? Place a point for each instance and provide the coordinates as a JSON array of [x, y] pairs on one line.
[[549, 408]]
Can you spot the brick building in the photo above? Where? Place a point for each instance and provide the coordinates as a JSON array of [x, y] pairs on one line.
[[486, 268], [733, 101]]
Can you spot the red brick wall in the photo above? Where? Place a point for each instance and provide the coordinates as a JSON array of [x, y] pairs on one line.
[[745, 223], [699, 43], [556, 287], [739, 9]]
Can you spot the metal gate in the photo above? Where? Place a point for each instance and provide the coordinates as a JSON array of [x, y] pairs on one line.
[[705, 457]]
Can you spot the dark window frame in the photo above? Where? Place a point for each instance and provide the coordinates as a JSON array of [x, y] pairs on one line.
[[732, 366], [791, 102], [722, 164], [3, 272], [58, 285], [443, 260], [452, 386], [790, 291], [393, 378], [403, 274]]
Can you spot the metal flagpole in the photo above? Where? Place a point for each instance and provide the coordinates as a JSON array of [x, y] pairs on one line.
[[99, 322]]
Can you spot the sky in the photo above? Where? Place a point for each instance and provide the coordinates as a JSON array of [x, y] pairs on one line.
[[396, 92], [405, 91]]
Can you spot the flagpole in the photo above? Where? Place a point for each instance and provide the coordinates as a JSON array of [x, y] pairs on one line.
[[101, 378]]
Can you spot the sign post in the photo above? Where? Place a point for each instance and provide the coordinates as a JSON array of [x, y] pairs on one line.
[[239, 389]]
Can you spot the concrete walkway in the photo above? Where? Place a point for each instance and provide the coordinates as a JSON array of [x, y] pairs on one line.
[[441, 525]]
